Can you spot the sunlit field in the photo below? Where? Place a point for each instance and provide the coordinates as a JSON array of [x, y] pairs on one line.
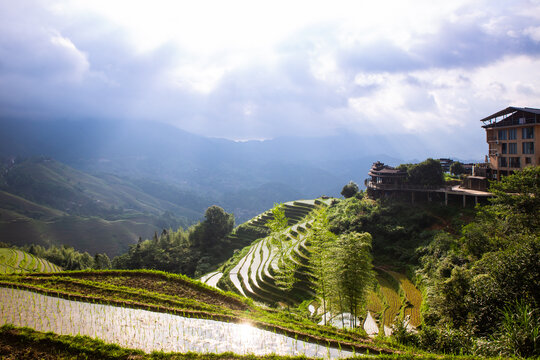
[[146, 330]]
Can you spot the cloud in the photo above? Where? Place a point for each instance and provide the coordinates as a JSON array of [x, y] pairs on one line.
[[432, 69]]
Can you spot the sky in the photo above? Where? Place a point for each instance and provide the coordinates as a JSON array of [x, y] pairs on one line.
[[246, 70]]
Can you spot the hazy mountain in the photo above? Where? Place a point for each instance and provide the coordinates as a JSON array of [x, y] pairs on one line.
[[119, 171], [155, 151]]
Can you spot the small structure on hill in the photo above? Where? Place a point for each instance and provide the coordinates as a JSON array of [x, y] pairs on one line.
[[387, 181], [382, 174]]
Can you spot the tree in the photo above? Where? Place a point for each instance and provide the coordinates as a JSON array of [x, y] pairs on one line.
[[517, 199], [285, 278], [352, 265], [277, 224], [321, 240], [218, 223], [102, 261], [428, 173], [457, 168], [214, 228], [349, 190]]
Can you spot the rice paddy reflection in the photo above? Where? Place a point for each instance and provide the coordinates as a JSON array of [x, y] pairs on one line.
[[146, 330]]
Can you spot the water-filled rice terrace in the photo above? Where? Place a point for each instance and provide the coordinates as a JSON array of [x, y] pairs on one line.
[[152, 310], [165, 302], [252, 272]]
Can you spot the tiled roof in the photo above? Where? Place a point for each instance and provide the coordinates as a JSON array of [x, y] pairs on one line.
[[510, 110]]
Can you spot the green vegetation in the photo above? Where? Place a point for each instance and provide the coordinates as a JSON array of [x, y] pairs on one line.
[[290, 266], [467, 279], [177, 294], [192, 252], [345, 288], [13, 261], [65, 257], [268, 270], [349, 190], [426, 173], [457, 168], [473, 278]]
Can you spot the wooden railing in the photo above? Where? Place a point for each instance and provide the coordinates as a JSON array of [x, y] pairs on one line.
[[377, 186]]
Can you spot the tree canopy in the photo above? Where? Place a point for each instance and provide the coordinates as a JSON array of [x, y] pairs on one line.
[[192, 252], [349, 190], [457, 168], [475, 278], [428, 173]]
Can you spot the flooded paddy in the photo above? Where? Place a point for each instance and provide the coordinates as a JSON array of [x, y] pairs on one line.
[[146, 330]]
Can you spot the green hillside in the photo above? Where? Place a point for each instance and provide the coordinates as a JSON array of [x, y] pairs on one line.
[[45, 202], [50, 183], [14, 261], [255, 271]]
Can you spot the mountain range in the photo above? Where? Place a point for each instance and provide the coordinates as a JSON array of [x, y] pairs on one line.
[[131, 179]]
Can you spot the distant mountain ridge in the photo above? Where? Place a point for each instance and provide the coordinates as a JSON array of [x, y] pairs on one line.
[[311, 166], [131, 179]]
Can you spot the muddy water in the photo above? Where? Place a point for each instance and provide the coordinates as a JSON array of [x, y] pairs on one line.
[[146, 330]]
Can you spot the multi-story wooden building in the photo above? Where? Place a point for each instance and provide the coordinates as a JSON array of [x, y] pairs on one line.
[[512, 135]]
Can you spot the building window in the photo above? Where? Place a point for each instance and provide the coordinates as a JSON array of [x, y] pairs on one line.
[[502, 162], [528, 148], [512, 134], [504, 148], [502, 135], [527, 133], [512, 148], [528, 160], [514, 162]]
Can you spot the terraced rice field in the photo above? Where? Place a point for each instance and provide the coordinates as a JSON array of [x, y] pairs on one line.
[[212, 278], [374, 303], [253, 275], [392, 299], [146, 330], [14, 261], [413, 295]]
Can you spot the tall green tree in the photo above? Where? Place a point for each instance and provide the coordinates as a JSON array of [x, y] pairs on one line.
[[321, 241], [285, 278], [217, 224], [353, 267], [278, 224]]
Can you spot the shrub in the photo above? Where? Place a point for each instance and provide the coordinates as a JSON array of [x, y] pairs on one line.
[[349, 190], [519, 332]]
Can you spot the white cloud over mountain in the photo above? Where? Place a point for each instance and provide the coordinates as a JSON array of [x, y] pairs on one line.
[[258, 70]]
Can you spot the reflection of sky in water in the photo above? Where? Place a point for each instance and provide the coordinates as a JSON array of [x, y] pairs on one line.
[[146, 330]]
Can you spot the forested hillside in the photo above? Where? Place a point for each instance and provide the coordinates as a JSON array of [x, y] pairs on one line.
[[45, 202], [466, 278]]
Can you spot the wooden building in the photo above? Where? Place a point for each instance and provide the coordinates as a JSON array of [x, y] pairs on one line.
[[382, 175], [512, 135]]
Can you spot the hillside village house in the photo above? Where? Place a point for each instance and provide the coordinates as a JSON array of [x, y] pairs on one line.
[[512, 136]]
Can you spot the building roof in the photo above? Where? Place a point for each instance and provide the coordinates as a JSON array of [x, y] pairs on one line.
[[380, 169], [510, 110]]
